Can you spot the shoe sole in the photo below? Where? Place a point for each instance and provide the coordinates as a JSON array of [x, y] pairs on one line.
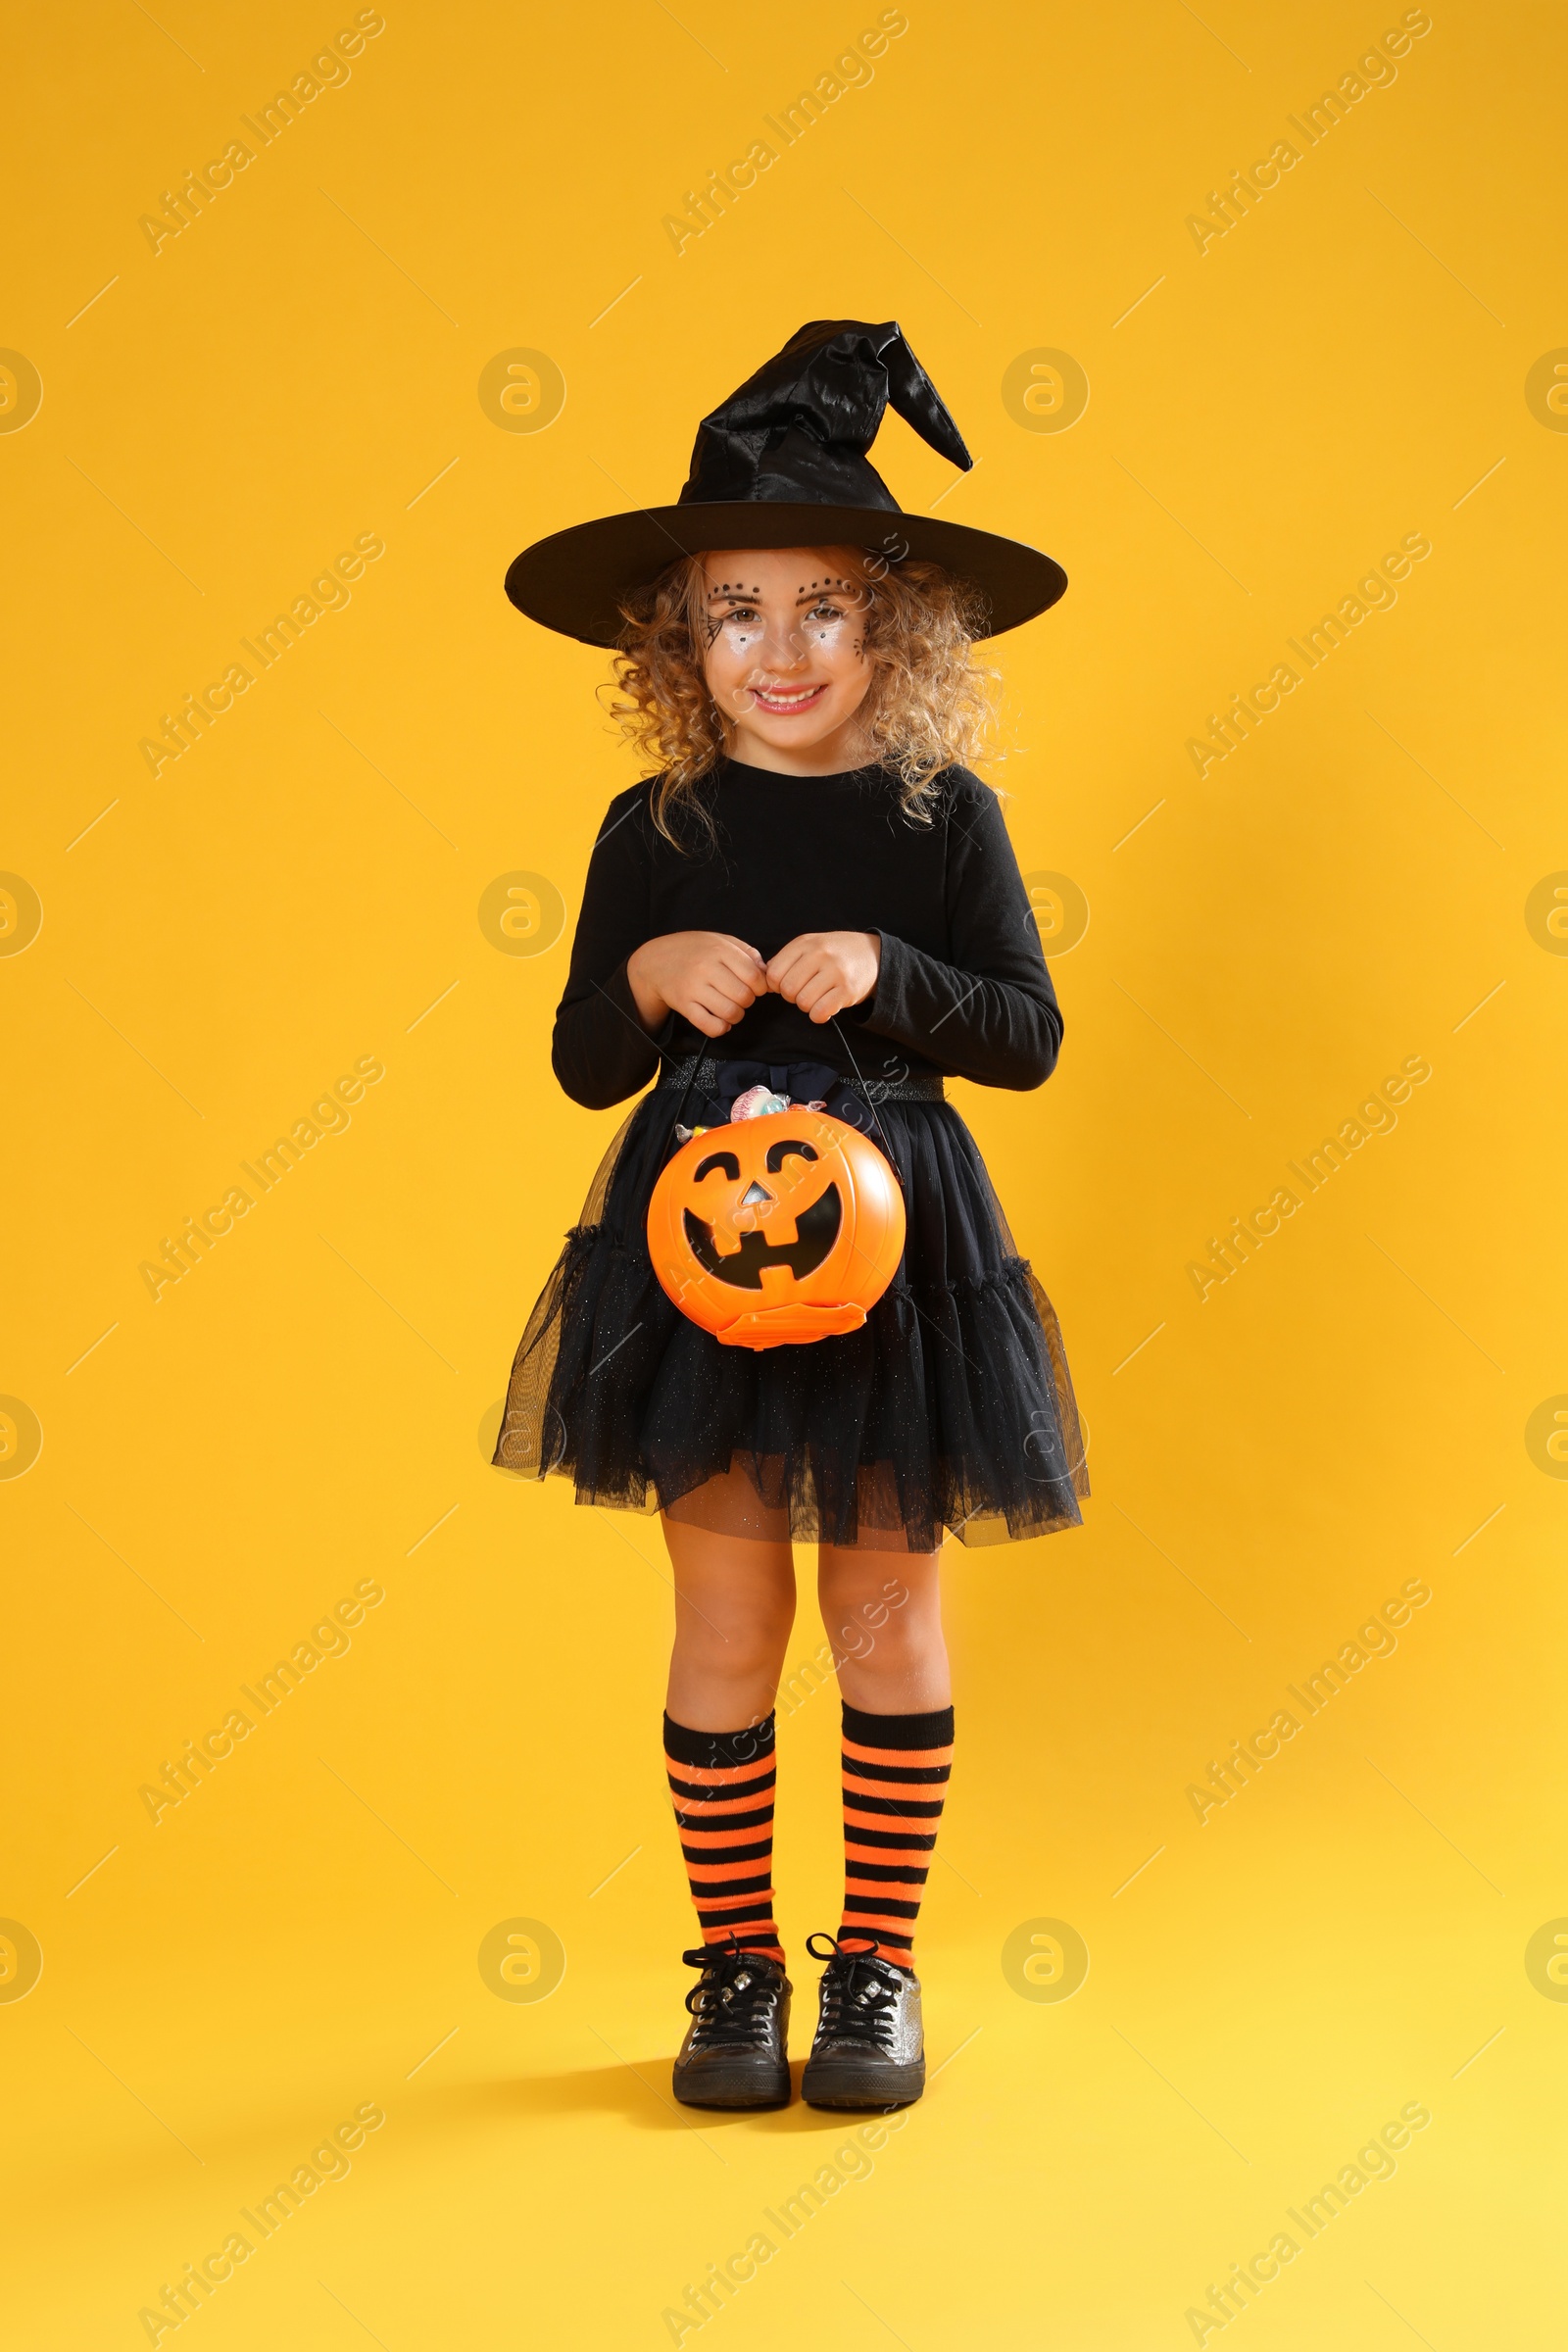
[[830, 2085], [732, 2087]]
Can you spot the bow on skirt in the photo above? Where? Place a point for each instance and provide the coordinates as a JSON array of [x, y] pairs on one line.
[[750, 1090]]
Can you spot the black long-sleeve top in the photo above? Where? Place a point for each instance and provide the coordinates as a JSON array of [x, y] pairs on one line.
[[962, 991]]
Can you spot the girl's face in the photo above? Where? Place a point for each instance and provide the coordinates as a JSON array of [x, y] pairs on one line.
[[784, 655]]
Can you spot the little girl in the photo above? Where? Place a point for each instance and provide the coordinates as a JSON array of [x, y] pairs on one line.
[[811, 901]]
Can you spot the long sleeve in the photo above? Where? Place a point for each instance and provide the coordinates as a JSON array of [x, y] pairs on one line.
[[600, 1051], [992, 1013]]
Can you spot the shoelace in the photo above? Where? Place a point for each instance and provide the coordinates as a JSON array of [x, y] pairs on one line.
[[859, 2003], [733, 1997]]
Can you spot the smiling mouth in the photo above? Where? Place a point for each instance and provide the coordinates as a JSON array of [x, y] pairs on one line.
[[787, 700], [816, 1230]]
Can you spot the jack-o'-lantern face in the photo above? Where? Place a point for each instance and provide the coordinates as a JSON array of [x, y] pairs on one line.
[[741, 1227], [781, 1228]]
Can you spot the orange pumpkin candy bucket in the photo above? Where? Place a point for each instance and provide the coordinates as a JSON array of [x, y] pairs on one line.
[[776, 1230]]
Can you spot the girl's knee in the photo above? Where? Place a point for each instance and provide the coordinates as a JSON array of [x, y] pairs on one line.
[[868, 1598], [736, 1647], [896, 1651]]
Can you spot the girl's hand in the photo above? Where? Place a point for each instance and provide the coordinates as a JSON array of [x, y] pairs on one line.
[[823, 972], [709, 978]]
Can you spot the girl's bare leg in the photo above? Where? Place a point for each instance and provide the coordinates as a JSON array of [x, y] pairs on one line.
[[883, 1614], [734, 1606]]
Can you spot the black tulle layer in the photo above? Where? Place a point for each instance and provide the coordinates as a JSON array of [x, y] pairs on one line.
[[950, 1411]]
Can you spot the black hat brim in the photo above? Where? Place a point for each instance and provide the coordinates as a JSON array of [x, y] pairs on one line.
[[575, 580]]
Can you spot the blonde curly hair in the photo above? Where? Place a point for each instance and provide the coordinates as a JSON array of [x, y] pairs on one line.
[[929, 706]]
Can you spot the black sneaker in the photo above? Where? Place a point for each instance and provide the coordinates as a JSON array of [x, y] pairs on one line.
[[735, 2050], [869, 2049]]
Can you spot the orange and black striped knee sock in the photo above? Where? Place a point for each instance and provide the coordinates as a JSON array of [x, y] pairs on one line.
[[722, 1787], [896, 1770]]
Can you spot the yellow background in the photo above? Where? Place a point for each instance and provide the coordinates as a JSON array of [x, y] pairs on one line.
[[296, 1415]]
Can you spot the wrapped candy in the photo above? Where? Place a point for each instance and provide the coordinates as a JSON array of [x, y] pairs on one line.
[[757, 1102]]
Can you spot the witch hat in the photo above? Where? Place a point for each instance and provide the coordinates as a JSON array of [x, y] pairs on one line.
[[783, 462]]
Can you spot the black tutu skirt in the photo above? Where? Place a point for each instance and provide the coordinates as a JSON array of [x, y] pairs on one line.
[[950, 1411]]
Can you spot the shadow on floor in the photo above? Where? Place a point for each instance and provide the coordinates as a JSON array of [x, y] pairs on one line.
[[637, 2090]]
